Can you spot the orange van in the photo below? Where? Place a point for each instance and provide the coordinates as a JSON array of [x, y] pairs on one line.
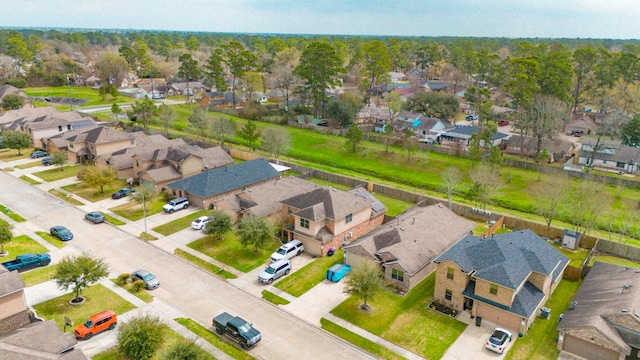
[[105, 320]]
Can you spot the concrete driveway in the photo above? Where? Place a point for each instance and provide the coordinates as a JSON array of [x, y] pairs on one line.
[[470, 345], [190, 290]]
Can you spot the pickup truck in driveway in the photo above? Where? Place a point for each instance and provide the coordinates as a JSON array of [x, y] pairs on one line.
[[25, 261], [237, 330]]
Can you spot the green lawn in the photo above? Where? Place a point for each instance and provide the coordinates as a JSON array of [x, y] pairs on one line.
[[29, 180], [273, 298], [98, 298], [379, 351], [212, 268], [90, 193], [30, 164], [540, 340], [406, 320], [179, 224], [15, 216], [66, 197], [615, 260], [39, 275], [232, 253], [310, 275], [51, 239], [134, 211], [58, 173], [142, 294], [22, 244], [9, 155], [75, 92], [577, 256], [215, 340], [170, 337], [112, 220]]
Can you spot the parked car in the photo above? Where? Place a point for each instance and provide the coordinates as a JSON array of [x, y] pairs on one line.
[[288, 251], [98, 323], [47, 161], [578, 133], [237, 329], [122, 193], [38, 154], [150, 280], [471, 117], [26, 261], [95, 217], [200, 222], [61, 233], [503, 123], [274, 271], [176, 204], [498, 340]]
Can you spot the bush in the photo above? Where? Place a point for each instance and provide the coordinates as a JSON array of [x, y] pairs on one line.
[[123, 278], [137, 285], [184, 350], [140, 337]]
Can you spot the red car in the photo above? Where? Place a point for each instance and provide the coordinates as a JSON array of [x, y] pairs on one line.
[[503, 123]]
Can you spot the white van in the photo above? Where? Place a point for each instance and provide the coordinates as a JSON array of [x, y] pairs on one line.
[[176, 204], [288, 251], [274, 271]]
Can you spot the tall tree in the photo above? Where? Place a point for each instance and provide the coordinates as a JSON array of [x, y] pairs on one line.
[[450, 179], [112, 69], [283, 78], [188, 70], [354, 138], [434, 104], [253, 82], [16, 140], [250, 134], [544, 117], [254, 232], [144, 110], [6, 235], [198, 121], [583, 61], [167, 116], [377, 64], [486, 182], [78, 272], [223, 128], [192, 44], [550, 195], [630, 131], [219, 224], [319, 69], [239, 60], [214, 71], [276, 141], [364, 283]]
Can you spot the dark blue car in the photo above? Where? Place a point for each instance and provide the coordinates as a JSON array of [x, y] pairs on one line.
[[61, 233], [121, 193]]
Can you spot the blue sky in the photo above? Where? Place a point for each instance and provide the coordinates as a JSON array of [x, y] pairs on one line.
[[492, 18]]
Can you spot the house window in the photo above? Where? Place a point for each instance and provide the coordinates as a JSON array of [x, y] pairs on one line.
[[604, 161], [620, 165], [68, 127], [289, 210], [397, 275], [448, 294], [450, 273], [349, 218], [304, 223], [71, 145], [59, 127], [132, 141], [494, 289], [327, 221]]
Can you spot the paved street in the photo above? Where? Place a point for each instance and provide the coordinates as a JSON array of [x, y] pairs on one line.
[[185, 289]]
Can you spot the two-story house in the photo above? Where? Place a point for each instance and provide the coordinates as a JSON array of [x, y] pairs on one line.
[[43, 123], [216, 99], [325, 218], [87, 145], [504, 278]]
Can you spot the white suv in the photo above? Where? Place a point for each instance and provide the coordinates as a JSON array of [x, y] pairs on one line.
[[288, 250], [176, 204]]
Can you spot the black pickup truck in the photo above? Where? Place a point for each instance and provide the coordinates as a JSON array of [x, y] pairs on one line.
[[237, 330], [25, 261]]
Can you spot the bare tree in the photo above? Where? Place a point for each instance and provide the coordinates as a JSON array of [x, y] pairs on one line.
[[486, 183], [550, 194], [544, 117], [587, 203], [276, 141], [451, 178]]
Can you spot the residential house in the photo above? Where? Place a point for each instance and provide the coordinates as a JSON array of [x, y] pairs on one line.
[[12, 90], [603, 321], [190, 88], [584, 124], [426, 129], [462, 134], [212, 188], [136, 93], [265, 200], [405, 247], [20, 339], [169, 164], [42, 123], [87, 145], [404, 91], [215, 100], [122, 160], [325, 218], [397, 76], [372, 114], [609, 156], [437, 85], [504, 278], [558, 149]]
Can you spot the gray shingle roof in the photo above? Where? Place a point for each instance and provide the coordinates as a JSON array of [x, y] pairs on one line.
[[42, 340], [10, 282], [506, 259], [224, 179]]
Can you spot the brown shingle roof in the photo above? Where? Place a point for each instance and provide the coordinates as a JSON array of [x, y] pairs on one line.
[[267, 197], [10, 282], [42, 340], [335, 204]]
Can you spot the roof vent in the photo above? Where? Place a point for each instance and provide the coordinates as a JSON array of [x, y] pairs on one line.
[[624, 310]]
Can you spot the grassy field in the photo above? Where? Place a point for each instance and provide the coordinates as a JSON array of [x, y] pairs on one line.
[[230, 252], [134, 211], [379, 351], [406, 320], [58, 173], [66, 197], [89, 94], [212, 268], [98, 298], [39, 275], [310, 275], [92, 194], [9, 155], [21, 244], [179, 224], [615, 261], [30, 180]]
